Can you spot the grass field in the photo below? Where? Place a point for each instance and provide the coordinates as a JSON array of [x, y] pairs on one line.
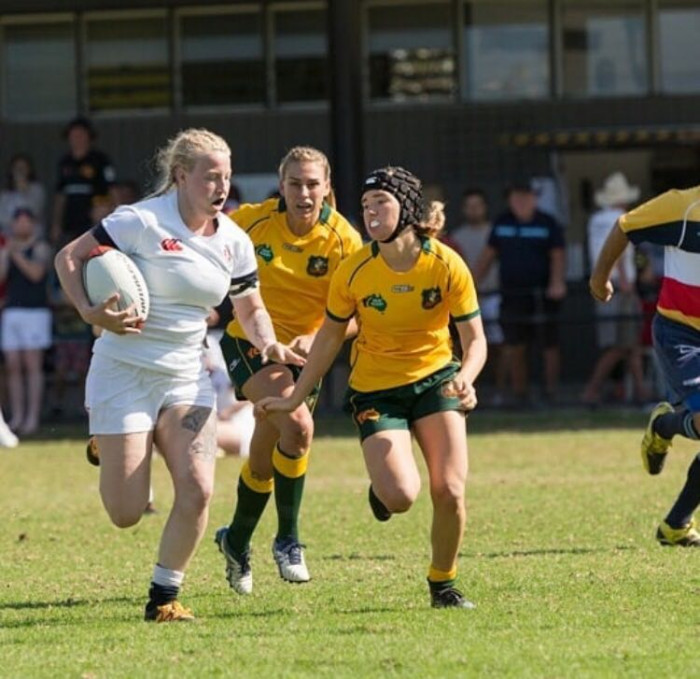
[[559, 556]]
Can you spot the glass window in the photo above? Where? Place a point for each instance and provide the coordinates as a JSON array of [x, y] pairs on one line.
[[411, 52], [679, 40], [301, 60], [43, 55], [604, 47], [222, 59], [506, 49], [127, 63]]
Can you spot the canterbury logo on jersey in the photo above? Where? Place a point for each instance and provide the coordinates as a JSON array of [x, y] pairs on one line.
[[375, 301], [171, 244], [431, 298], [265, 252], [317, 266], [367, 415], [402, 288]]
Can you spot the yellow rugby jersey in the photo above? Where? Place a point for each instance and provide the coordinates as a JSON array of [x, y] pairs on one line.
[[403, 316], [295, 271]]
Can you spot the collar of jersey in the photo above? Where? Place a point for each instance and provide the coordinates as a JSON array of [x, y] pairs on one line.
[[425, 245], [323, 217]]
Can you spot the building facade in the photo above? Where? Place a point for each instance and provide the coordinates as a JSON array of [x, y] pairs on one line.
[[464, 92]]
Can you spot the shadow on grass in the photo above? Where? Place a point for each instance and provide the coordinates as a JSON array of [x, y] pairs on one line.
[[548, 552], [358, 557], [45, 620], [40, 605]]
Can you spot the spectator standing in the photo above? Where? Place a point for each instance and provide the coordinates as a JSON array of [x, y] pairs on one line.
[[617, 325], [471, 238], [26, 319], [84, 172], [21, 191], [529, 245]]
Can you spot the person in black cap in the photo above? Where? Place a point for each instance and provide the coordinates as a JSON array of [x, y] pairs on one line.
[[403, 287], [84, 172], [529, 245]]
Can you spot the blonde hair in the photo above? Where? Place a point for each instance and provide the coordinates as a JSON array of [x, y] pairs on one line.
[[183, 150], [305, 154], [433, 221]]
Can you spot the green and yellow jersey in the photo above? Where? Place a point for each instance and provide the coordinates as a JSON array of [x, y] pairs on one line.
[[295, 271], [402, 316]]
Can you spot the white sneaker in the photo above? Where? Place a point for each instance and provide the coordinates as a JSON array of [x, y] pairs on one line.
[[7, 438], [238, 571], [289, 556]]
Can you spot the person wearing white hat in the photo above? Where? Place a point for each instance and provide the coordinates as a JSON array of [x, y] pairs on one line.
[[617, 327]]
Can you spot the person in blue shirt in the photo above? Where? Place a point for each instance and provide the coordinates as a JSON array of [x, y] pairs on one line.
[[529, 245]]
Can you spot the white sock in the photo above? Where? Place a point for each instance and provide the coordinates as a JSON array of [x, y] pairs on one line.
[[151, 494], [167, 578]]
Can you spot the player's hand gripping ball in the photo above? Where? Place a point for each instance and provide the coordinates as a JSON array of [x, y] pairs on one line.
[[108, 271]]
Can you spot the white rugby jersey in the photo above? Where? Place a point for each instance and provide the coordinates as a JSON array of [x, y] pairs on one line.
[[186, 276]]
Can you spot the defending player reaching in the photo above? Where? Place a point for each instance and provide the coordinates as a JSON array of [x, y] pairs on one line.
[[299, 241], [404, 287]]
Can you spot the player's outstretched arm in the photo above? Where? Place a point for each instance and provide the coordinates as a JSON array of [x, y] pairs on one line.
[[325, 348], [600, 286], [257, 325]]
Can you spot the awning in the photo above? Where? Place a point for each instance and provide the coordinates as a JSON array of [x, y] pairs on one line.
[[608, 137]]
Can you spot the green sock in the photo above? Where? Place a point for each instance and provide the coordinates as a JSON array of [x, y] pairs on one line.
[[289, 488], [252, 499]]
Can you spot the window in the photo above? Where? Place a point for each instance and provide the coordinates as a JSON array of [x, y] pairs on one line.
[[506, 49], [679, 31], [301, 59], [222, 59], [411, 52], [42, 54], [127, 62], [604, 46]]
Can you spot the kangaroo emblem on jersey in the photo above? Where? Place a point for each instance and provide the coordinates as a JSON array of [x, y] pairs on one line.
[[431, 298], [317, 266], [265, 252], [375, 301], [370, 414]]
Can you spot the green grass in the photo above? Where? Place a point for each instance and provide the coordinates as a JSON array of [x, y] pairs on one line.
[[559, 556]]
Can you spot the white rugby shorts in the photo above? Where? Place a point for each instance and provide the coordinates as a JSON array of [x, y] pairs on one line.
[[124, 399]]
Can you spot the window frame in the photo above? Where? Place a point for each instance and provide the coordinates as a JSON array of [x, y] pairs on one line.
[[9, 20], [83, 66], [218, 10], [454, 7]]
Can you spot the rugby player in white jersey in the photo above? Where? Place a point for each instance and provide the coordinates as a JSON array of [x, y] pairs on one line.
[[147, 383]]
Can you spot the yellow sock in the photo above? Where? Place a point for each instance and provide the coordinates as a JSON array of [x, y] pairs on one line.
[[291, 467], [436, 575], [254, 484]]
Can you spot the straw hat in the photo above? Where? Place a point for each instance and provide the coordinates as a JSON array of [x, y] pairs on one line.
[[616, 191]]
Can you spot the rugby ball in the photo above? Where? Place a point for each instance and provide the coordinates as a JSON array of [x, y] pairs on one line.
[[108, 270]]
